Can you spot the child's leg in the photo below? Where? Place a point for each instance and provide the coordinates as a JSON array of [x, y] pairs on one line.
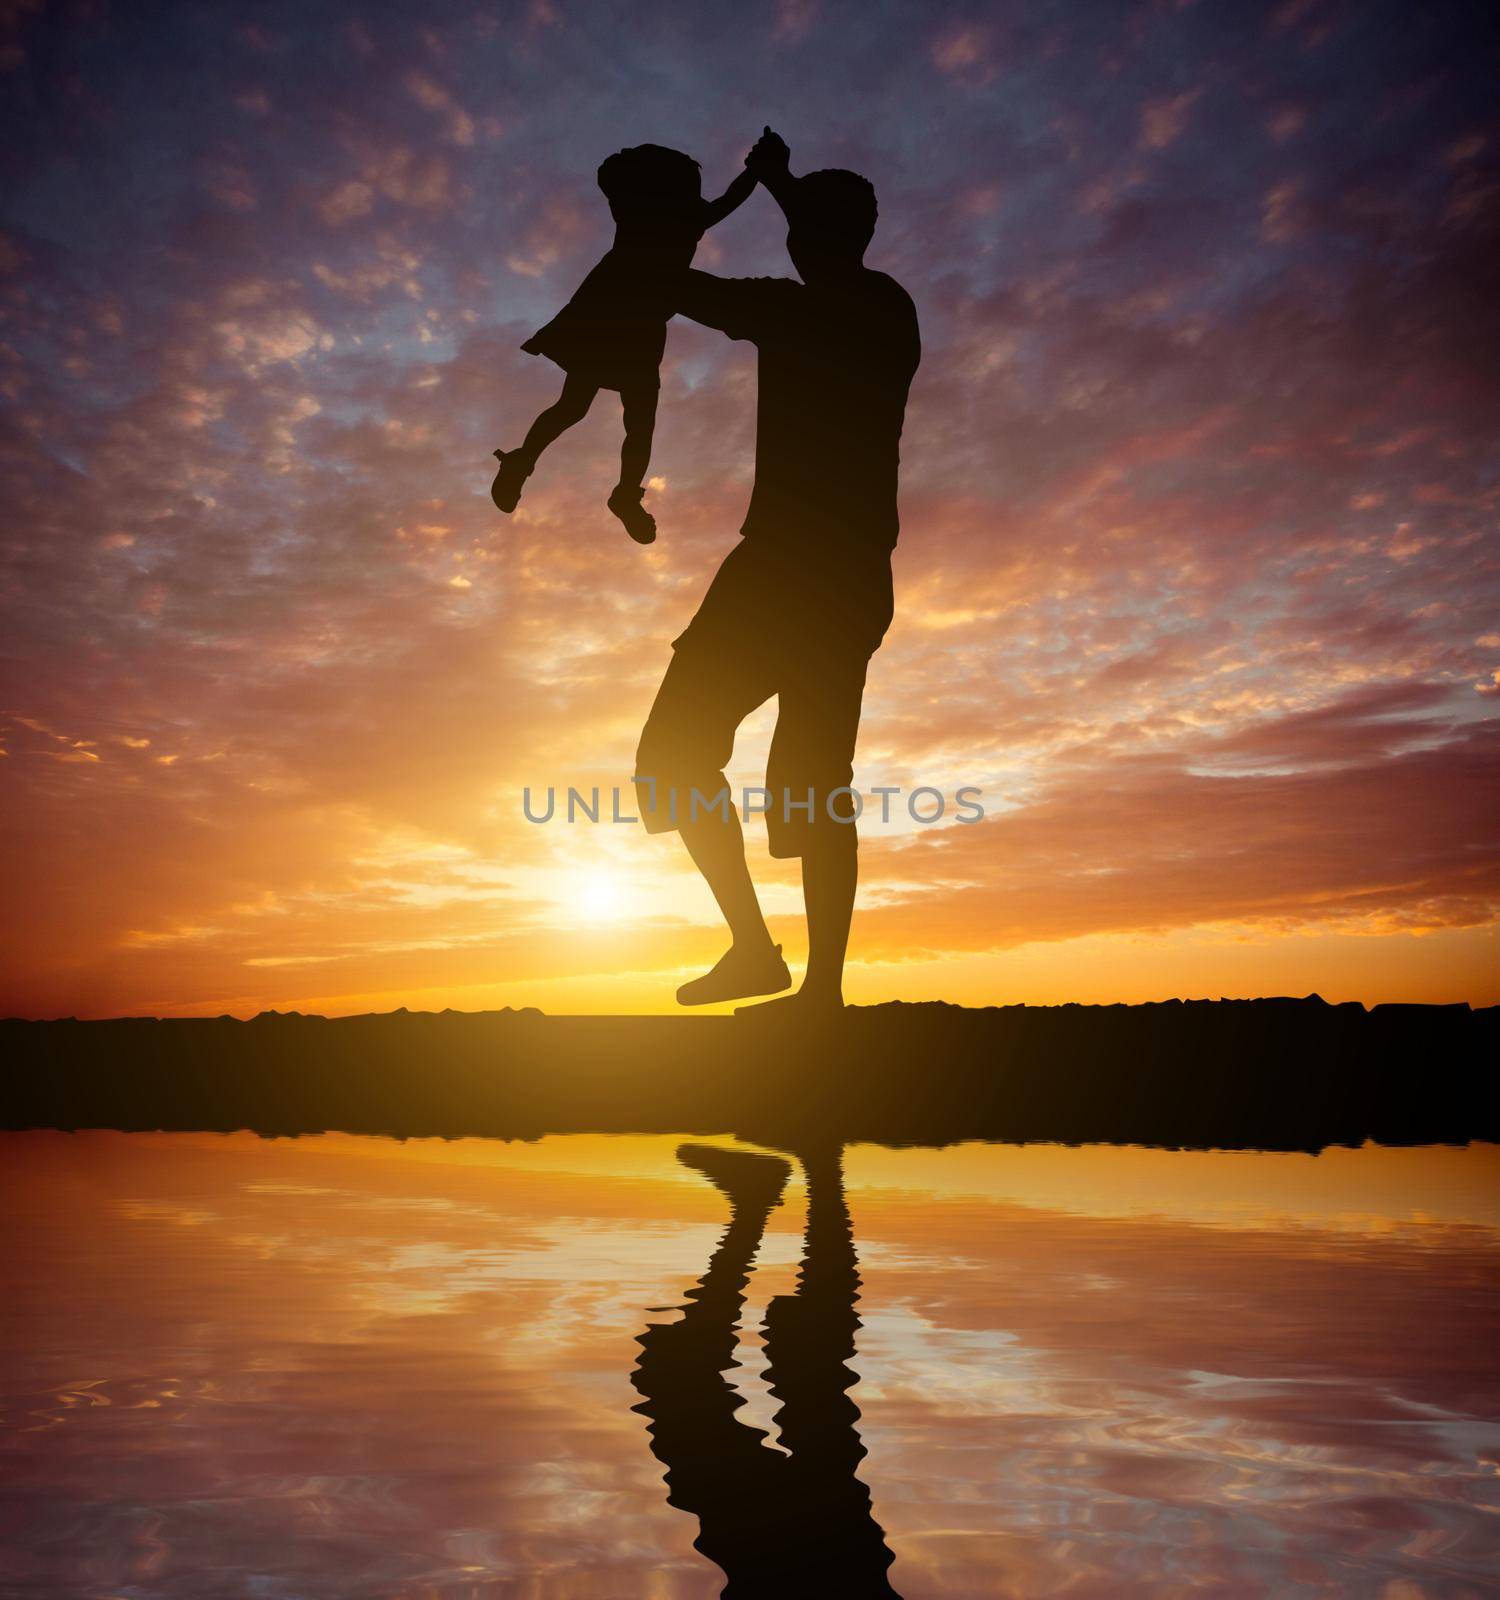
[[516, 465], [639, 406], [571, 406]]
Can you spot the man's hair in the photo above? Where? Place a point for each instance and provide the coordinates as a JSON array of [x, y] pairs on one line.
[[648, 169], [838, 206]]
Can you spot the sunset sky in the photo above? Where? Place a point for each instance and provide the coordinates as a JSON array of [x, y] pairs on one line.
[[1197, 578]]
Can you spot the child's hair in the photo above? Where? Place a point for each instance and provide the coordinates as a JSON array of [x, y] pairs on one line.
[[649, 172]]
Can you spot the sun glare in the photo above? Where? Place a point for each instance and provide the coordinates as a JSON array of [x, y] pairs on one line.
[[598, 896]]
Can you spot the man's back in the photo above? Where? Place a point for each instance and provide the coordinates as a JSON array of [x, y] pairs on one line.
[[836, 362]]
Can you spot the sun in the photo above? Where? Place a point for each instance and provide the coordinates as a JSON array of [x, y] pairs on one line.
[[598, 895]]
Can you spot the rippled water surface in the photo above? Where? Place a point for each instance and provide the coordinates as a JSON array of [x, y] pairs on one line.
[[336, 1367]]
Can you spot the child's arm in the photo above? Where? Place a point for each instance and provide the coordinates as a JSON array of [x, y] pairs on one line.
[[738, 192], [732, 199]]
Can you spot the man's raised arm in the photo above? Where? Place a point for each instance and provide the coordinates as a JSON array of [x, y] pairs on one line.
[[737, 306], [770, 162]]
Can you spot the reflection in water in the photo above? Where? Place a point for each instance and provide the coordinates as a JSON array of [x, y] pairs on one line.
[[357, 1369], [790, 1523]]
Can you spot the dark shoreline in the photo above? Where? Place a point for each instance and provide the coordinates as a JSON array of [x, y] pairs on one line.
[[1262, 1074]]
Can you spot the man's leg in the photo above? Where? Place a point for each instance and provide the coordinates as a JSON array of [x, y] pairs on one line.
[[813, 752], [752, 965], [718, 851], [687, 741], [830, 873]]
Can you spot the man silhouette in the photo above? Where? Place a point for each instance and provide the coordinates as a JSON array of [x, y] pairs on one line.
[[802, 602]]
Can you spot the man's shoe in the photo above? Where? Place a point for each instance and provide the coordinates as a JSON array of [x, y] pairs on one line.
[[736, 975], [515, 469], [625, 502]]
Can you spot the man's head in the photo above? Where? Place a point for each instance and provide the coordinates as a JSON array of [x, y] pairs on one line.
[[830, 223]]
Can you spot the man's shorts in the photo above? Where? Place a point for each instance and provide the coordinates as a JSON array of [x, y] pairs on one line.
[[772, 623]]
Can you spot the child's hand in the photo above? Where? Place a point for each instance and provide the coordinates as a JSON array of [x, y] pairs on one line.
[[770, 155]]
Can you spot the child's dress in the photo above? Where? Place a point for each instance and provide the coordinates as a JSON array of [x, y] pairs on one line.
[[614, 329]]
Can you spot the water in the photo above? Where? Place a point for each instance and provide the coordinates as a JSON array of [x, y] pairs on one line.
[[335, 1367]]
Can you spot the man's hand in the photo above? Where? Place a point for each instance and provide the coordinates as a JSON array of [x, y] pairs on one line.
[[770, 157]]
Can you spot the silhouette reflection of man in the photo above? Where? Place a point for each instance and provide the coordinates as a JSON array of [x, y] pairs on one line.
[[802, 602], [780, 1524]]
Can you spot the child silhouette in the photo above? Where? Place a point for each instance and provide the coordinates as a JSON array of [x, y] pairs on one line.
[[611, 334]]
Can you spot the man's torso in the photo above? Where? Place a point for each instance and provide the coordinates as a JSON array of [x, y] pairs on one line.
[[836, 364]]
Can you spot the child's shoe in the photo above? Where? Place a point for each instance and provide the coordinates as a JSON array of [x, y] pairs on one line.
[[515, 469], [625, 502]]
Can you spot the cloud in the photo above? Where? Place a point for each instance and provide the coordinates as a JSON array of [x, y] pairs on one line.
[[1196, 480], [1163, 121]]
